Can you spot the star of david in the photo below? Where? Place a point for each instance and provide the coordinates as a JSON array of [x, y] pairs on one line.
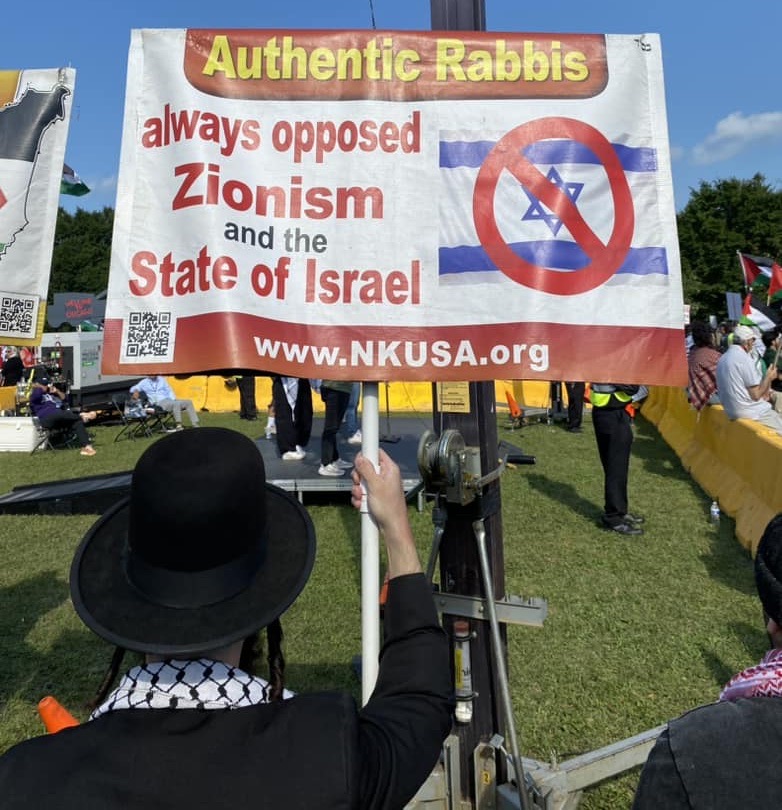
[[537, 211]]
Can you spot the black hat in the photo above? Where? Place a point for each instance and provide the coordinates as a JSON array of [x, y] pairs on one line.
[[768, 569], [202, 554], [42, 381]]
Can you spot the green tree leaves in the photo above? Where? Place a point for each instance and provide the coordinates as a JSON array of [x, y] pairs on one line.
[[720, 219], [82, 251]]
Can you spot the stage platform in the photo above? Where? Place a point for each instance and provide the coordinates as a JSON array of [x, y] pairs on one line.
[[399, 437], [92, 495], [95, 494], [302, 476]]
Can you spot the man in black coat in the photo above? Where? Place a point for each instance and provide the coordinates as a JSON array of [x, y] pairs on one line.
[[725, 755], [203, 554], [13, 368]]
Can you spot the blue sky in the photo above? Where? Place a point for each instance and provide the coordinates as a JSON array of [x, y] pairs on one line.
[[723, 90]]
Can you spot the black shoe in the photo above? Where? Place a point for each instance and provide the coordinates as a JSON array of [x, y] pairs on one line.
[[574, 430], [624, 528], [633, 520]]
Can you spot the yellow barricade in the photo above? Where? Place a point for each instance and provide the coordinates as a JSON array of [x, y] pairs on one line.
[[735, 462]]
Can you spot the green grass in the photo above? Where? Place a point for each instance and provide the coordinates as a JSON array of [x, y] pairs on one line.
[[638, 629]]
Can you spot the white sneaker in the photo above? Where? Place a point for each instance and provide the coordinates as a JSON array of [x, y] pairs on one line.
[[330, 470], [342, 464], [355, 438], [293, 455], [300, 449]]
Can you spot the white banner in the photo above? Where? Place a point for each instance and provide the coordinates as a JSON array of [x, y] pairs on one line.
[[396, 205], [34, 116]]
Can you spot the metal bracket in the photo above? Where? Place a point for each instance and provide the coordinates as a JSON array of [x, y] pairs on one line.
[[530, 611]]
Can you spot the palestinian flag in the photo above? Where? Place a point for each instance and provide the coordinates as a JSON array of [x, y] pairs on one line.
[[754, 267], [71, 183], [756, 313]]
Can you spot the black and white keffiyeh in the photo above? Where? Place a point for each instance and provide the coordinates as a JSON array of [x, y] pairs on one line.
[[199, 684]]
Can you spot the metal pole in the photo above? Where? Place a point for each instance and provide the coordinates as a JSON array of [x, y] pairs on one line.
[[370, 550], [459, 564], [499, 662]]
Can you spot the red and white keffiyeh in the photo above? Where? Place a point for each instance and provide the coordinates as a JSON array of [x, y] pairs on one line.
[[762, 680]]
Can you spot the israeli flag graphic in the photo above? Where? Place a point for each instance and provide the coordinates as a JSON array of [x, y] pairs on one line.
[[529, 228]]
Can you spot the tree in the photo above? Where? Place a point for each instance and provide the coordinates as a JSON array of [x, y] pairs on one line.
[[82, 251], [720, 219]]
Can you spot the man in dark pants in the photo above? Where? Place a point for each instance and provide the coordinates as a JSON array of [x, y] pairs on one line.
[[614, 435], [575, 405], [336, 396], [247, 406], [292, 401]]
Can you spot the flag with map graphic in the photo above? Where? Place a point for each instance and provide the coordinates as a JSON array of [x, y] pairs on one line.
[[34, 116]]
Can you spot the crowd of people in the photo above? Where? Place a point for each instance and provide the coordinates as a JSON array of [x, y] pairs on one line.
[[738, 367]]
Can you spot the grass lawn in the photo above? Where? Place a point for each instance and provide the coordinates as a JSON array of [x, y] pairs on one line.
[[638, 629]]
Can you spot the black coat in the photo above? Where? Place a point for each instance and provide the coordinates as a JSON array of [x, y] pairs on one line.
[[314, 752], [723, 756], [13, 370]]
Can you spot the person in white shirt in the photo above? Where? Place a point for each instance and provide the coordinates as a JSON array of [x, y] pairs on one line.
[[743, 390], [160, 394]]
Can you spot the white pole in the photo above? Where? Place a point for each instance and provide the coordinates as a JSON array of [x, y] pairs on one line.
[[370, 549]]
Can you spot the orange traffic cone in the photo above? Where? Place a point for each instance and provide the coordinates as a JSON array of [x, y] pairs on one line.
[[54, 715], [513, 406]]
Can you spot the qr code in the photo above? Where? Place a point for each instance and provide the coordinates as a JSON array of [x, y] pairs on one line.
[[149, 335], [18, 315]]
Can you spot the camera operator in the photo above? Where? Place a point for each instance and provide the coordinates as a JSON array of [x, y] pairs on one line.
[[47, 403]]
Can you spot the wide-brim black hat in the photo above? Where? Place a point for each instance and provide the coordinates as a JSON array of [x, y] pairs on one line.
[[768, 569], [202, 554]]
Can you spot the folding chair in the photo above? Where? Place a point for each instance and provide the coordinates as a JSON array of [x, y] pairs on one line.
[[133, 425], [53, 438], [164, 420]]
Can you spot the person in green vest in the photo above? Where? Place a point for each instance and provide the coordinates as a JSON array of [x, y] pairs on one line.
[[614, 435]]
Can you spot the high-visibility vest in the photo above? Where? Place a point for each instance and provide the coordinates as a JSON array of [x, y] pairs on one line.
[[600, 394]]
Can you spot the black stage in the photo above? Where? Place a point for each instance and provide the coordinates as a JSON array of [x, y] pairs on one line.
[[302, 476], [399, 437], [95, 494], [74, 496]]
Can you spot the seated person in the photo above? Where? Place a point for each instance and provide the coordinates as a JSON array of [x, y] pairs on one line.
[[744, 392], [160, 394], [723, 755], [702, 367], [47, 404]]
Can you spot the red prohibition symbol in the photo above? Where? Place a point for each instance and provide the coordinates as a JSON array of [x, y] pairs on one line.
[[605, 259]]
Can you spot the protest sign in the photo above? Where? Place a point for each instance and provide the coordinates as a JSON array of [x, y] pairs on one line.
[[34, 117], [373, 205]]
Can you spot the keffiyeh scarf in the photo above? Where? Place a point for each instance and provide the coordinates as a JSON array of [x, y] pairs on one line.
[[199, 684], [762, 680]]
